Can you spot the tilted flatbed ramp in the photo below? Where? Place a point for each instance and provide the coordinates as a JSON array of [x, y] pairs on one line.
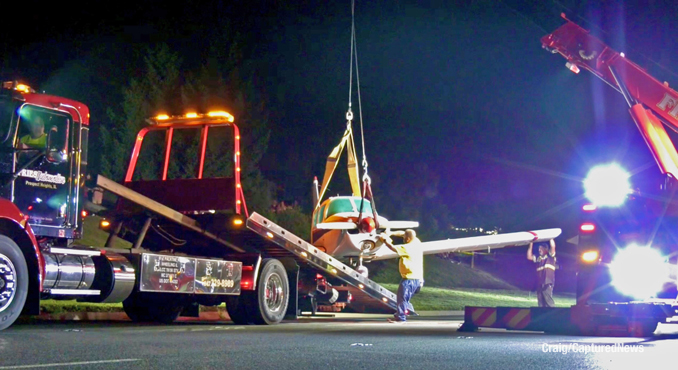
[[160, 209], [319, 259], [271, 232]]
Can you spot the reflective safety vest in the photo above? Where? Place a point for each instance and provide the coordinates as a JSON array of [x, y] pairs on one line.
[[546, 268], [411, 264], [37, 143]]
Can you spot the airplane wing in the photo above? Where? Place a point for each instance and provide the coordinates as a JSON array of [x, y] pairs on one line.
[[352, 225], [398, 224], [478, 243], [336, 226]]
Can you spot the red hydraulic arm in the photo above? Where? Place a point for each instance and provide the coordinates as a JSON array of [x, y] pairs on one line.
[[651, 102]]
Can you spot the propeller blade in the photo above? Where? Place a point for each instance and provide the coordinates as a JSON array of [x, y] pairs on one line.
[[399, 224], [336, 226]]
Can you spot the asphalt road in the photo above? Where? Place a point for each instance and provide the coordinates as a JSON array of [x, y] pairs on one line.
[[328, 343]]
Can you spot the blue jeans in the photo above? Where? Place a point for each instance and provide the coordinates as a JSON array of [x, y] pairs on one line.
[[406, 289]]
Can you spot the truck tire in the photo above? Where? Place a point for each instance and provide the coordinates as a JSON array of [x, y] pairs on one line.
[[13, 282], [236, 306], [149, 307], [269, 303], [642, 328]]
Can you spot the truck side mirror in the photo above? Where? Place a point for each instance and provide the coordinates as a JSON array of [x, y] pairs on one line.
[[53, 155]]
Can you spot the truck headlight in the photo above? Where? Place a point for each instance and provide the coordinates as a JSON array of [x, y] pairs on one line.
[[607, 185], [639, 272]]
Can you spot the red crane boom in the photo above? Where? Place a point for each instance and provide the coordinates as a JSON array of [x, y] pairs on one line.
[[651, 102]]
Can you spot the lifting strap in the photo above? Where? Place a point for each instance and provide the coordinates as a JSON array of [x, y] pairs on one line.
[[333, 160], [367, 190]]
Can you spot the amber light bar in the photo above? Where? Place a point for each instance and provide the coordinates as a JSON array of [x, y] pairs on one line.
[[193, 118]]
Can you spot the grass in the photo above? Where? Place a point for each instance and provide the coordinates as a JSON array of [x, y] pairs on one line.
[[440, 273], [442, 299], [92, 235], [429, 299], [449, 286], [60, 306]]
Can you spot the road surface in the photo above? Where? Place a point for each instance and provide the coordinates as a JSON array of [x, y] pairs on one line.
[[345, 342]]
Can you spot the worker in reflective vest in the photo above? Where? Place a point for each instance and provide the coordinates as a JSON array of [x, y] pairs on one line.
[[411, 269], [546, 272]]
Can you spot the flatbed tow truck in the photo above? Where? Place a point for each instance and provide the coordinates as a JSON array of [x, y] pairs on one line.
[[653, 105], [193, 241]]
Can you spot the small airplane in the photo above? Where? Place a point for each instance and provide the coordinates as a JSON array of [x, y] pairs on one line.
[[346, 226]]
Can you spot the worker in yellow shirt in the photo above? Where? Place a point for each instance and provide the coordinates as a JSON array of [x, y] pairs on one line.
[[411, 268], [37, 138]]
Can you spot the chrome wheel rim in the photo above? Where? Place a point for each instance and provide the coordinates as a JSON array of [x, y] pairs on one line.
[[7, 282], [275, 293]]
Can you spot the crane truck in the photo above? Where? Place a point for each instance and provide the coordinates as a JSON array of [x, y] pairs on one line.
[[626, 242]]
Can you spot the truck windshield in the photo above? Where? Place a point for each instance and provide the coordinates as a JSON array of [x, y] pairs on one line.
[[6, 109], [35, 123]]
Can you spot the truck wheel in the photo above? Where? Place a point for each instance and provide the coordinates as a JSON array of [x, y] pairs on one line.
[[150, 308], [135, 310], [236, 306], [272, 294], [642, 328], [13, 281]]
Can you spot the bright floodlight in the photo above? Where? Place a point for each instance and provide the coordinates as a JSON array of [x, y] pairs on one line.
[[607, 185], [639, 272]]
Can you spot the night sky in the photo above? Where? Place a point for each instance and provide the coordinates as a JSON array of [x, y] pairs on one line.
[[457, 95]]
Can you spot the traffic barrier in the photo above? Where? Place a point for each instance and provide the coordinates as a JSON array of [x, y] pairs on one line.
[[517, 318], [481, 316], [514, 318], [497, 317]]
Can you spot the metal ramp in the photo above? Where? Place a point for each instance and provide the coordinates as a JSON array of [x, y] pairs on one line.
[[319, 259]]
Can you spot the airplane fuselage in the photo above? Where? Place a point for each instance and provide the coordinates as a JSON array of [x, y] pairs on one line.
[[344, 242]]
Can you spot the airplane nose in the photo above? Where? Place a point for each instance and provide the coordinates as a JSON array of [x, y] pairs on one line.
[[367, 225]]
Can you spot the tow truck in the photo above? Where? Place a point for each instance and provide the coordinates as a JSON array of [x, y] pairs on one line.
[[193, 241], [626, 279], [174, 244]]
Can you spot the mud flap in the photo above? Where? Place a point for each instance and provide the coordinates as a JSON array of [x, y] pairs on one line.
[[292, 269]]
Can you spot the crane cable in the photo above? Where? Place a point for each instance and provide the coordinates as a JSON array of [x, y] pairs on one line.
[[367, 189], [349, 113]]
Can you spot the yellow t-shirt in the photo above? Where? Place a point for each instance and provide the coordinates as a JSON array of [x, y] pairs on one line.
[[35, 143], [411, 260]]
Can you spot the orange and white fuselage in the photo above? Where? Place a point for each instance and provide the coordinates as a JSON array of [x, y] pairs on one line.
[[345, 227]]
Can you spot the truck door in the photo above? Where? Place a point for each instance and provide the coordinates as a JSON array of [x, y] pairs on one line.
[[42, 188]]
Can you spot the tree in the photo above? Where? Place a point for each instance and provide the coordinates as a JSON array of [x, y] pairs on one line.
[[146, 95], [292, 218], [216, 83]]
